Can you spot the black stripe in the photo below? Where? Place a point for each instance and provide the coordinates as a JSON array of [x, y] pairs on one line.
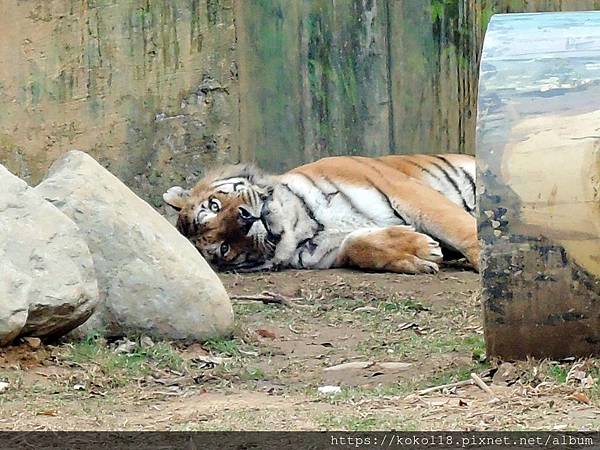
[[460, 171], [339, 191], [309, 212], [325, 195], [389, 202], [424, 169], [302, 242], [453, 183], [470, 178], [448, 163], [348, 200], [326, 254], [472, 183], [362, 161], [384, 195]]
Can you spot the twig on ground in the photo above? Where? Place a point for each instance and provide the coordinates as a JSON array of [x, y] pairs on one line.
[[481, 384], [271, 298], [445, 386]]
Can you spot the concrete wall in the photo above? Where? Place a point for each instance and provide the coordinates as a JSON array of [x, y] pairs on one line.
[[149, 88]]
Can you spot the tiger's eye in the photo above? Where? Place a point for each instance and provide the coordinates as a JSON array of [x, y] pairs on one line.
[[224, 249], [245, 214], [214, 205]]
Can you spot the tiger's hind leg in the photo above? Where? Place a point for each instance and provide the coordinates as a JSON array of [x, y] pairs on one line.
[[397, 249]]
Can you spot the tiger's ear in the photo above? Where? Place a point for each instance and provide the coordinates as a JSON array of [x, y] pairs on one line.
[[176, 197]]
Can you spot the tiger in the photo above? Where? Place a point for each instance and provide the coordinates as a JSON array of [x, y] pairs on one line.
[[393, 213]]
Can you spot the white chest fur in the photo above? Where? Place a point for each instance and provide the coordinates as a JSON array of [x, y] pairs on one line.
[[312, 218]]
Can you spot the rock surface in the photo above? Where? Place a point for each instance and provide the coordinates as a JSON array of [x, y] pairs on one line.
[[151, 279], [14, 289], [47, 281]]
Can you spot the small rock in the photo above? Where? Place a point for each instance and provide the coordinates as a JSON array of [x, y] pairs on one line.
[[329, 390], [208, 360], [505, 374], [394, 365], [33, 342], [79, 387], [350, 366], [146, 342], [3, 386], [365, 309], [126, 346]]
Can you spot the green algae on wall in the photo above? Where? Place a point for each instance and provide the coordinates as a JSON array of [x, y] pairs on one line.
[[325, 77]]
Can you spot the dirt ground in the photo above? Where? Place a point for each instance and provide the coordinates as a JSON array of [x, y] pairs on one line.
[[282, 370]]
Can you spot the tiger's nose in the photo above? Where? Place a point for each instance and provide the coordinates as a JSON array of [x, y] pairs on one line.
[[247, 225]]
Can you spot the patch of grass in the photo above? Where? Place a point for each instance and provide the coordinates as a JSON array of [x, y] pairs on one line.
[[558, 373], [451, 375], [229, 347], [123, 366], [476, 344], [252, 373], [257, 308], [402, 305]]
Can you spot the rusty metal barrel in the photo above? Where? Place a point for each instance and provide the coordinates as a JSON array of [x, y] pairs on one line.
[[538, 157]]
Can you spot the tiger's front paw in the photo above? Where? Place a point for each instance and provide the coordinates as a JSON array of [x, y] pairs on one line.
[[429, 249]]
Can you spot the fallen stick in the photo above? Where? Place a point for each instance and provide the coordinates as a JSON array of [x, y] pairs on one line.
[[479, 382], [271, 298], [445, 386]]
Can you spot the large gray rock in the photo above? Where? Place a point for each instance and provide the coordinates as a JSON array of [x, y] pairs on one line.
[[47, 280], [151, 279]]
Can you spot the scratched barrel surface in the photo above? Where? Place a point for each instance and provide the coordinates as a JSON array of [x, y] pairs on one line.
[[538, 152]]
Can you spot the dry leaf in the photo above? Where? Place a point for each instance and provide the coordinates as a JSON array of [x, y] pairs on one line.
[[581, 397], [266, 334], [48, 412]]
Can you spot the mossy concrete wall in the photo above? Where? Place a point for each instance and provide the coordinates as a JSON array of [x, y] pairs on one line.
[[159, 90]]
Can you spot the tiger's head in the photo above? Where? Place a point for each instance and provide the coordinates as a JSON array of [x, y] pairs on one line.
[[222, 217]]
